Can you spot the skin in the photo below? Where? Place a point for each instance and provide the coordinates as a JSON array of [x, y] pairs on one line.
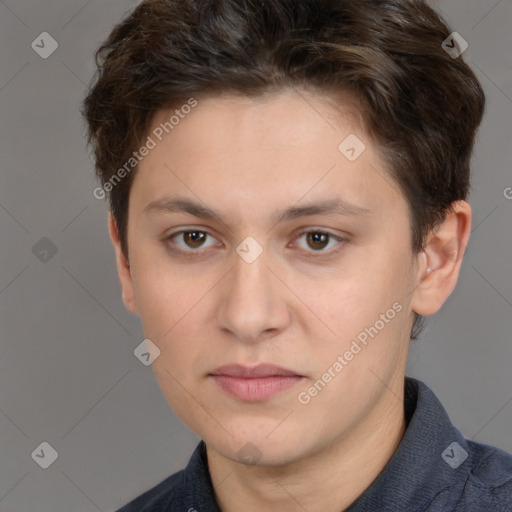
[[298, 305]]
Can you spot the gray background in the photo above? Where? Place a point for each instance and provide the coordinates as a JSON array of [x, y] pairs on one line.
[[68, 375]]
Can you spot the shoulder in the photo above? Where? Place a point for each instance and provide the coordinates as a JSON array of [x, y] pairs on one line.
[[184, 491], [159, 498], [455, 473], [489, 482]]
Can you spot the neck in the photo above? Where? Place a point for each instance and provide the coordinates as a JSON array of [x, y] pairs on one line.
[[329, 480]]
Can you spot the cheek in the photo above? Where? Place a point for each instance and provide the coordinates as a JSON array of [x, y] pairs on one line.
[[165, 292], [169, 307], [368, 306], [369, 319], [167, 301]]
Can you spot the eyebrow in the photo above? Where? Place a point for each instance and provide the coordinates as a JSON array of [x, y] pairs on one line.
[[336, 206]]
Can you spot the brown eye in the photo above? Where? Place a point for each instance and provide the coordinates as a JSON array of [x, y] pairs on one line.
[[317, 240], [190, 241], [194, 239], [323, 243]]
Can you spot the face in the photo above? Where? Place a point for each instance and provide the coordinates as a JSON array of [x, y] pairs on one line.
[[286, 249]]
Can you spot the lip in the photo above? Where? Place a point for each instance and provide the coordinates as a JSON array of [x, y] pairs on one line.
[[248, 372], [254, 384]]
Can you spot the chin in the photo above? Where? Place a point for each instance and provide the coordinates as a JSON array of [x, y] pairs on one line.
[[253, 446]]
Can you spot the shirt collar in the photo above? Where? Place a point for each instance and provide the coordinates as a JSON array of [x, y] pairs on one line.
[[424, 463]]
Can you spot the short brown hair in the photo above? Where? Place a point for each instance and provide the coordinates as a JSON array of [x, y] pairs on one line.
[[421, 106]]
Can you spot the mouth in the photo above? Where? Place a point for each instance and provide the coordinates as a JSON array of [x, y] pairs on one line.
[[254, 372], [254, 384]]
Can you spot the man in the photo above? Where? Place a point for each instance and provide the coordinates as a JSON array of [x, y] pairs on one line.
[[288, 185]]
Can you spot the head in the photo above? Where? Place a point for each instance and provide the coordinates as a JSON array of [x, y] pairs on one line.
[[256, 111]]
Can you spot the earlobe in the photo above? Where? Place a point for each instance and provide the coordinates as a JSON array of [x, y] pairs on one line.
[[123, 267], [440, 261]]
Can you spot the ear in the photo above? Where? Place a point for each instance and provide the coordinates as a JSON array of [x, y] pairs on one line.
[[123, 267], [440, 261]]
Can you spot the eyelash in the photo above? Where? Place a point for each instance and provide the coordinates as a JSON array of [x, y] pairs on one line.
[[192, 253]]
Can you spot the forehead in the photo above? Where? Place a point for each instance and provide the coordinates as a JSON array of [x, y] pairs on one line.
[[294, 116], [277, 149]]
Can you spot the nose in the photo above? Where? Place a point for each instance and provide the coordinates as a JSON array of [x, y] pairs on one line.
[[253, 304]]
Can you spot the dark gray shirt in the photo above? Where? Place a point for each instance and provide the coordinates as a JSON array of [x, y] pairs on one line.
[[434, 469]]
